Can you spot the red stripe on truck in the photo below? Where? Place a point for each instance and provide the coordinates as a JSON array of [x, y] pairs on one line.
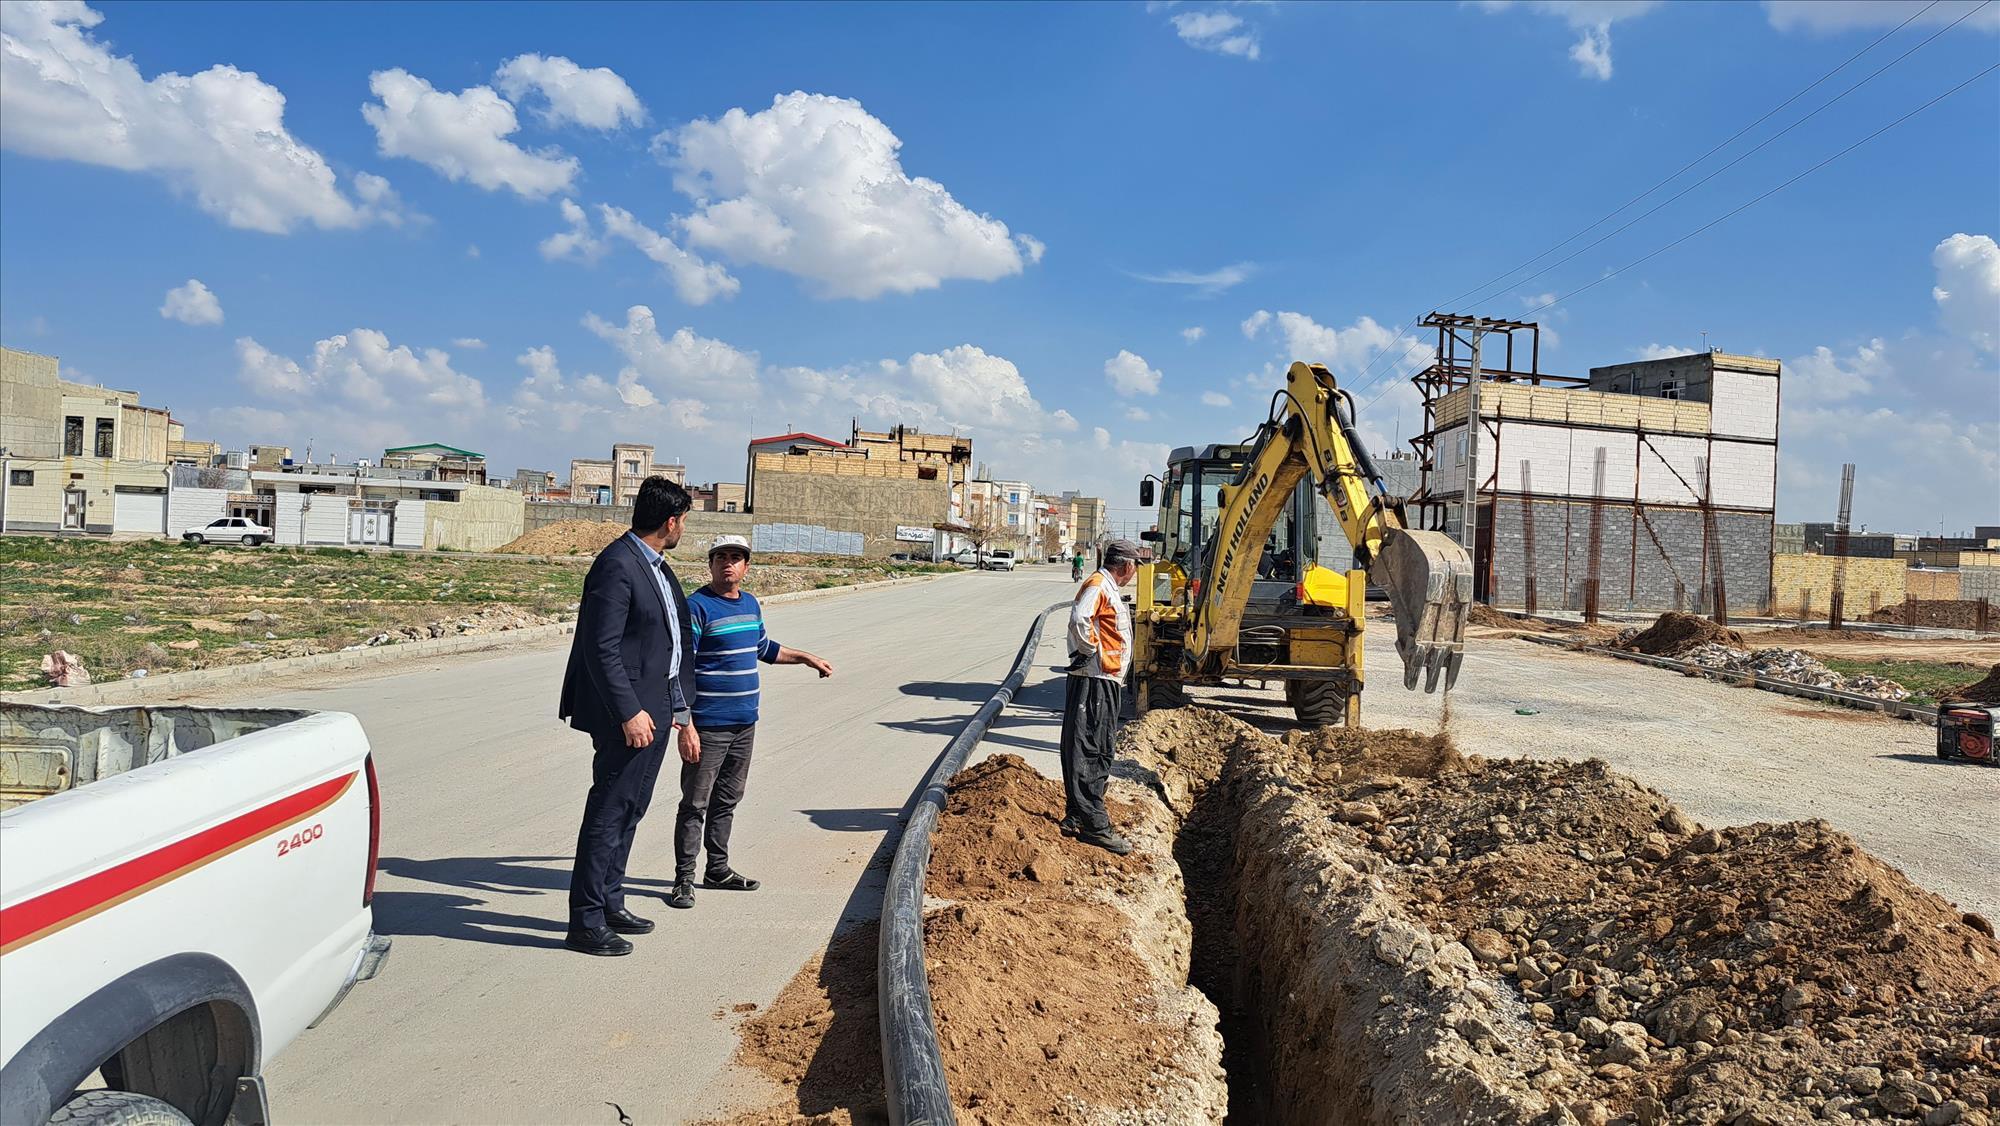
[[51, 911]]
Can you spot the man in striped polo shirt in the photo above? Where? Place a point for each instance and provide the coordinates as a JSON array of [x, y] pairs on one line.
[[729, 642]]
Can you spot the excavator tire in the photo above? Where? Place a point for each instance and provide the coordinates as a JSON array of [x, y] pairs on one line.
[[1318, 703], [1165, 694]]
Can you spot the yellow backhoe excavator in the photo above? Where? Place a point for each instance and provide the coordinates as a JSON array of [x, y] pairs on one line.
[[1234, 592]]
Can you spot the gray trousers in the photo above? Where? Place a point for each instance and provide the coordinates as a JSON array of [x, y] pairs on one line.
[[710, 790], [1089, 727]]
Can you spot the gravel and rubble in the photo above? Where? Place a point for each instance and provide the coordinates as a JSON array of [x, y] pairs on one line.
[[1698, 641], [1437, 937]]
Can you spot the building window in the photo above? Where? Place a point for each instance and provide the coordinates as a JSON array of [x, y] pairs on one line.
[[1670, 389], [73, 436], [1013, 518], [1013, 498], [631, 467], [21, 476], [107, 438], [730, 507], [1461, 449]]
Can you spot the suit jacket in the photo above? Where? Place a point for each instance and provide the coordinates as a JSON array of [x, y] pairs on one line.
[[619, 658]]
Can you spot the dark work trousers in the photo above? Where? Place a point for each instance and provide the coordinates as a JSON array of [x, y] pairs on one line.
[[1090, 724], [710, 790], [621, 786]]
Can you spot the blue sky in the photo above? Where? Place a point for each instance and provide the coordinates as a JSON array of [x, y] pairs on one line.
[[533, 230]]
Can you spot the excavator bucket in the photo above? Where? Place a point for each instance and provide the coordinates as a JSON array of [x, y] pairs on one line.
[[1429, 580]]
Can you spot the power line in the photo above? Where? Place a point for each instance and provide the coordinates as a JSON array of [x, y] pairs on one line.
[[1844, 64], [1745, 206]]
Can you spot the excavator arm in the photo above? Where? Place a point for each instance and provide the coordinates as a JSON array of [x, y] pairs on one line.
[[1311, 433]]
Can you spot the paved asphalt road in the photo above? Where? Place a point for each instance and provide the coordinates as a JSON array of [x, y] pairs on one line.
[[480, 1015]]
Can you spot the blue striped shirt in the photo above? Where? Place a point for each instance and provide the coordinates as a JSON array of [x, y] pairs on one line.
[[729, 641]]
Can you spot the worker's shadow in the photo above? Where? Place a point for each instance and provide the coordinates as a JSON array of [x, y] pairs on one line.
[[463, 917], [944, 727]]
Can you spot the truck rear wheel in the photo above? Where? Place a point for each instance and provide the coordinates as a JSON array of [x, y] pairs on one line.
[[117, 1108], [1317, 703]]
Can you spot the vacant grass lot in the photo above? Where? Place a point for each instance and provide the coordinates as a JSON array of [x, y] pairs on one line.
[[164, 606], [1926, 680]]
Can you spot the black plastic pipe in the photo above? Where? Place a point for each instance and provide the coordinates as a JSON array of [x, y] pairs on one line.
[[912, 1065]]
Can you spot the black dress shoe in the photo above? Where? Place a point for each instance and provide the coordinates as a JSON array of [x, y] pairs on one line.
[[625, 922], [597, 940]]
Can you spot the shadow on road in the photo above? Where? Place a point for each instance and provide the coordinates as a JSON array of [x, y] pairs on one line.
[[446, 915], [1931, 759], [879, 820], [944, 727], [443, 915], [975, 692]]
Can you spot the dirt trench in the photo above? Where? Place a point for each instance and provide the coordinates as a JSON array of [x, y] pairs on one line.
[[1400, 933], [1349, 927]]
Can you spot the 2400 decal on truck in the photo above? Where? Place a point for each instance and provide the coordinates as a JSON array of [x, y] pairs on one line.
[[182, 892]]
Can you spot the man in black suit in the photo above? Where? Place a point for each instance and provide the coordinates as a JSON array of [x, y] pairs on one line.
[[629, 684]]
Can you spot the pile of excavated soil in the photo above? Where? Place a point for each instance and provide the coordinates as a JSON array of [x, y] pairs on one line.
[[1058, 972], [1480, 614], [820, 1041], [1986, 691], [1431, 937], [567, 537], [1674, 633], [1960, 613]]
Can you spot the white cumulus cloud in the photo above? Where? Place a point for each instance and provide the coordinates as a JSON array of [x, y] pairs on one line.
[[1129, 374], [472, 342], [1138, 414], [815, 186], [461, 136], [596, 98], [1590, 19], [1193, 333], [193, 304], [1220, 32], [1255, 322], [1968, 288], [364, 369], [696, 281], [1214, 399], [218, 135]]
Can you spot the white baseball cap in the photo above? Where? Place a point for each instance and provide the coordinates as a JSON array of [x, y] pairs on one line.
[[737, 542]]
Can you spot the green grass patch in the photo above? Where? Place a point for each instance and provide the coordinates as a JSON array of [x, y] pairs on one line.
[[1926, 680]]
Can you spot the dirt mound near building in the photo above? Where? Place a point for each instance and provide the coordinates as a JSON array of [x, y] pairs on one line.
[[567, 537], [1961, 613], [1357, 753], [1985, 691], [1674, 633], [1483, 615]]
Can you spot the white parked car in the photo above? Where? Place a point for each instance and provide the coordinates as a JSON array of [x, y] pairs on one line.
[[966, 558], [183, 891], [1002, 560], [229, 529]]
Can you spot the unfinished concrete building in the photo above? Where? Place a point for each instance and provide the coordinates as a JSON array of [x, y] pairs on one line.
[[1648, 486]]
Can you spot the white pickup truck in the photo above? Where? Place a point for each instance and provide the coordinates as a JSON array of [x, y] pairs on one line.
[[182, 892]]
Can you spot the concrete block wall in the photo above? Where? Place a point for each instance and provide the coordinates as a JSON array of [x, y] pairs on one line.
[[872, 505], [1552, 460], [1801, 585], [194, 508], [1929, 586], [1980, 582], [481, 519], [1633, 573]]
